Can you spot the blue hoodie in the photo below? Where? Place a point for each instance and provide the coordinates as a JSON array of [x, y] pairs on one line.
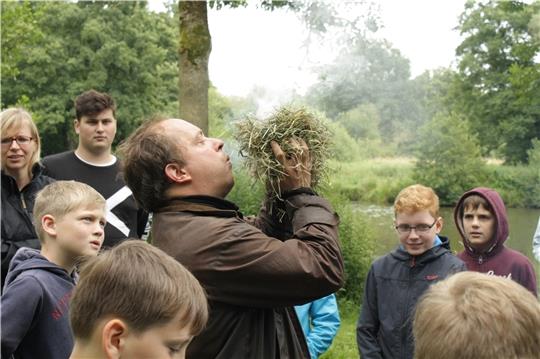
[[320, 322], [34, 306]]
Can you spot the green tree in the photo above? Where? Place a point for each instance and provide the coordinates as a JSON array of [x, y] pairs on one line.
[[117, 47], [370, 72], [449, 158], [498, 79], [362, 122]]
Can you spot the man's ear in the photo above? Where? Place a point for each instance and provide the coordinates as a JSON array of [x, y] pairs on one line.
[[113, 338], [76, 125], [177, 173], [48, 223]]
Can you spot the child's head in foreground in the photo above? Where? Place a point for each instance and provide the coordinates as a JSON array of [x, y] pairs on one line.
[[135, 301], [472, 315], [417, 220], [69, 218]]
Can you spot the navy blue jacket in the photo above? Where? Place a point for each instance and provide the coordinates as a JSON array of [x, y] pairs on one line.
[[394, 285], [34, 307]]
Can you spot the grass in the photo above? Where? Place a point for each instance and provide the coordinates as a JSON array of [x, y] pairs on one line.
[[344, 344], [375, 181]]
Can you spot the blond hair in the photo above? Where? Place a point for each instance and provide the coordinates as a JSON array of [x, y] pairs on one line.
[[139, 284], [15, 118], [417, 198], [61, 197], [472, 315]]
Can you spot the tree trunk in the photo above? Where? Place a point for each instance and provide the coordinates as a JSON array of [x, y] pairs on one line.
[[194, 50]]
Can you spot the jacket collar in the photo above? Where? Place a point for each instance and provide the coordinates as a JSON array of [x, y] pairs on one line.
[[37, 170], [202, 205], [432, 253]]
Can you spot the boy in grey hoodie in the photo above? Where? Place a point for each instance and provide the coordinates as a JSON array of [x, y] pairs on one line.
[[69, 218]]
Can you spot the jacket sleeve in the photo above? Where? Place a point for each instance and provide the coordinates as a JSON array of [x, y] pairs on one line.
[[536, 242], [19, 304], [264, 271], [367, 329], [324, 318]]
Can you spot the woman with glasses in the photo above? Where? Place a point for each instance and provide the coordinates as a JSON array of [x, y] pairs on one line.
[[21, 180]]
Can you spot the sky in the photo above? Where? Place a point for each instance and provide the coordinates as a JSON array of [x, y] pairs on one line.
[[257, 48]]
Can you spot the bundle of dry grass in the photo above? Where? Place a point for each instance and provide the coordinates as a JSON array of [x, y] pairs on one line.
[[255, 136]]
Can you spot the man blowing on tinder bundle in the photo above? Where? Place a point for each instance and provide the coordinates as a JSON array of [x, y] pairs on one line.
[[253, 270]]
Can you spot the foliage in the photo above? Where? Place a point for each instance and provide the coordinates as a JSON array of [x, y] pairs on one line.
[[448, 158], [357, 243], [533, 155], [343, 146], [223, 111], [373, 78], [518, 185], [247, 192], [375, 180], [498, 81], [362, 122], [344, 345], [117, 47]]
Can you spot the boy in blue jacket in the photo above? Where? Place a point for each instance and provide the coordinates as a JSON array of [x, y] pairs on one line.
[[396, 281], [69, 218]]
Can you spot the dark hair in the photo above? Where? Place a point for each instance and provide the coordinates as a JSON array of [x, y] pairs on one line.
[[139, 284], [93, 102], [145, 154], [472, 203]]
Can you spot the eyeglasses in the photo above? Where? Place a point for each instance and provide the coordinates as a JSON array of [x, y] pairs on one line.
[[21, 141], [405, 228]]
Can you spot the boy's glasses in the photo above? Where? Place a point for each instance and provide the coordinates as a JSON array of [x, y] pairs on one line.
[[21, 141], [405, 228]]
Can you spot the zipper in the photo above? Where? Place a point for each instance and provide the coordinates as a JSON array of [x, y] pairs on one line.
[[413, 261], [23, 202]]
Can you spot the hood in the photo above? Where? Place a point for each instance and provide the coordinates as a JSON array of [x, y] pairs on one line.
[[28, 259], [496, 202]]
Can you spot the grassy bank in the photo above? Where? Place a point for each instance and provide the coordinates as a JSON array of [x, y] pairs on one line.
[[344, 344], [379, 180]]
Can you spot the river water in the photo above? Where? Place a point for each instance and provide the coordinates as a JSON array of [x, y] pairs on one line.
[[522, 223]]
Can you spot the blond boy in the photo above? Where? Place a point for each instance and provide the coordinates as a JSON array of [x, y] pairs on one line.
[[69, 218], [477, 316], [134, 301], [396, 280]]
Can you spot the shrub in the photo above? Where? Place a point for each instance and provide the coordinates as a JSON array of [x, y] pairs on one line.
[[357, 244], [449, 158]]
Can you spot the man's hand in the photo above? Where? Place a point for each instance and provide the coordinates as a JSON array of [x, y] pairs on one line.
[[297, 165]]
